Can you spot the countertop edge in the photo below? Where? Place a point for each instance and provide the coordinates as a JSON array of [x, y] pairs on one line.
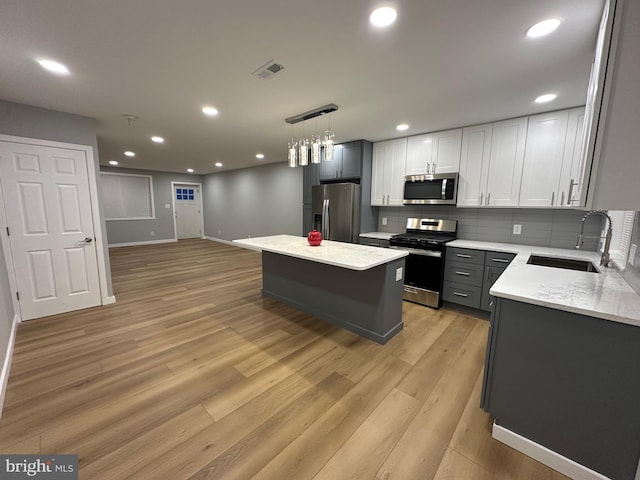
[[397, 254]]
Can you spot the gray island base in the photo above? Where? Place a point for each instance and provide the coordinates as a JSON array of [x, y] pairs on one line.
[[366, 302], [355, 287]]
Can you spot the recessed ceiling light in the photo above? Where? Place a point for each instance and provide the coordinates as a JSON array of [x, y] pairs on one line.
[[55, 67], [545, 27], [190, 170], [382, 17], [157, 139], [218, 164], [129, 153], [210, 111], [112, 162], [402, 126], [546, 98], [260, 155]]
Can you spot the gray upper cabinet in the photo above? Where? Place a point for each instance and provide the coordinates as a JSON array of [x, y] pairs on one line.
[[311, 177], [346, 163]]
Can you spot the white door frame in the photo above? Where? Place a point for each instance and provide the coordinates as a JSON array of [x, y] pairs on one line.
[[95, 211], [173, 204]]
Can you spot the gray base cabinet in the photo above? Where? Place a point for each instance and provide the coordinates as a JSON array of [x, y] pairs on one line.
[[469, 275], [568, 382], [374, 242]]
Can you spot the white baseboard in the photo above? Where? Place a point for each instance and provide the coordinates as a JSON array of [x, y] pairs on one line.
[[145, 242], [6, 366], [109, 300], [545, 456], [213, 239]]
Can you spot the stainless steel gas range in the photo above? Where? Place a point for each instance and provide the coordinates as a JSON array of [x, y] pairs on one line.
[[425, 241]]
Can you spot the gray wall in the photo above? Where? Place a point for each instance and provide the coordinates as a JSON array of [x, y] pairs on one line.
[[32, 122], [6, 312], [127, 231], [632, 272], [541, 227], [254, 202]]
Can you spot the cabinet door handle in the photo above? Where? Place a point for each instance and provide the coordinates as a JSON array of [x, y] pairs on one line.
[[462, 255], [488, 198], [460, 294], [562, 199], [553, 197], [466, 274], [570, 196], [481, 198], [499, 260]]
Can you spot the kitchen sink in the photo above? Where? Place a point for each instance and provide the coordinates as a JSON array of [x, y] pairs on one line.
[[566, 263]]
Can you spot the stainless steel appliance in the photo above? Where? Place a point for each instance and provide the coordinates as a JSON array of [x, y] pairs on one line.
[[424, 267], [439, 188], [336, 211]]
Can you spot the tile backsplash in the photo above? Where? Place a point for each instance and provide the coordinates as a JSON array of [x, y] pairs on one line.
[[541, 227], [632, 272]]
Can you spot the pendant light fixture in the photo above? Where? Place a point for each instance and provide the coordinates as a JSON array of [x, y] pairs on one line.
[[303, 154], [298, 151], [328, 142], [315, 145], [293, 151]]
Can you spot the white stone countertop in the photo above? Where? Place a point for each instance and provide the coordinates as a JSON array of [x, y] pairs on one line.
[[338, 254], [603, 295], [378, 235]]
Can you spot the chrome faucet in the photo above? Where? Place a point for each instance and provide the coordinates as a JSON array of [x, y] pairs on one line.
[[604, 260]]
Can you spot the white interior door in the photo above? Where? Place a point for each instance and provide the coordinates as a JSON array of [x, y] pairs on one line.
[[48, 210], [188, 214]]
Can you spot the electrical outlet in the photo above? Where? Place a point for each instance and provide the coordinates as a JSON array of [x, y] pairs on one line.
[[219, 232], [632, 254], [384, 220], [398, 274], [517, 229], [153, 233]]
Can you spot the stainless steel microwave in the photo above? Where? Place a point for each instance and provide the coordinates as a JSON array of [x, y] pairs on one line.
[[439, 188]]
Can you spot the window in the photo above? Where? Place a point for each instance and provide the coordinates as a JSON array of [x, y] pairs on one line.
[[127, 196], [621, 236], [184, 193]]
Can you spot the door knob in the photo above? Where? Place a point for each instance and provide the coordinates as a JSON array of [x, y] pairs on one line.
[[88, 239]]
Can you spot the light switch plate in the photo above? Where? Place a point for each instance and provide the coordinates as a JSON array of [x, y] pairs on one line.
[[398, 274], [166, 205], [517, 229]]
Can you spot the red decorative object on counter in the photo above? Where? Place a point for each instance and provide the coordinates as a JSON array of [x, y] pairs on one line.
[[314, 238]]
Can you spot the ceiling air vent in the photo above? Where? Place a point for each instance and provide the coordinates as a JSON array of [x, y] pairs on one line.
[[268, 70]]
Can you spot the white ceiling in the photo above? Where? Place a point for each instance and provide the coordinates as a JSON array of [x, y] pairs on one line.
[[442, 64]]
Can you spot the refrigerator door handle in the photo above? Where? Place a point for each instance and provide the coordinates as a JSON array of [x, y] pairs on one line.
[[327, 221], [324, 219]]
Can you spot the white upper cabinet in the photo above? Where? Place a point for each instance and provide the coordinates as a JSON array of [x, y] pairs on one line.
[[613, 184], [505, 162], [387, 176], [543, 159], [491, 164], [437, 152], [474, 165], [573, 162]]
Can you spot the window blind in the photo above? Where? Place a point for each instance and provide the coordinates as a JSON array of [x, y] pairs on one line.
[[127, 196]]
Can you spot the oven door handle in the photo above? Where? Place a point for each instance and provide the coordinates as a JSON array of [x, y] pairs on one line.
[[415, 251]]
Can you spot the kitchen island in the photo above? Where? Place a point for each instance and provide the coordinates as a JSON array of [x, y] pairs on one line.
[[353, 286]]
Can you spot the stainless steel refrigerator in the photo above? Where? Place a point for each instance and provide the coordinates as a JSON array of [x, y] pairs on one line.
[[336, 211]]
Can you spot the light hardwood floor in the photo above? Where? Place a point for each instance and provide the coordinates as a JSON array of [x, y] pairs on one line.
[[192, 374]]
